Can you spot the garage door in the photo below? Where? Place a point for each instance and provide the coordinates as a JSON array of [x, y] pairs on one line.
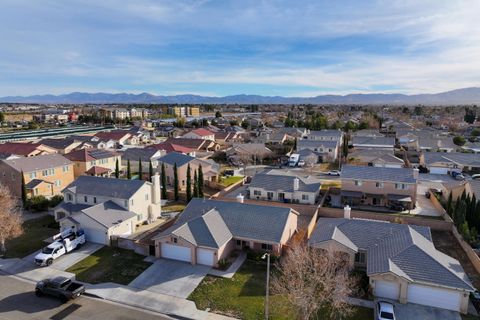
[[387, 289], [174, 252], [438, 170], [95, 235], [435, 297], [205, 257]]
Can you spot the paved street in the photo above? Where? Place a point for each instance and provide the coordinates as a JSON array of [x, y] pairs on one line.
[[17, 302]]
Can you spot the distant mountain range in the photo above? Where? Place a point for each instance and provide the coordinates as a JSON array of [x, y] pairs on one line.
[[459, 96]]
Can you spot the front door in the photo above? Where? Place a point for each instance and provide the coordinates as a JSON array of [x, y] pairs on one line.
[[151, 250]]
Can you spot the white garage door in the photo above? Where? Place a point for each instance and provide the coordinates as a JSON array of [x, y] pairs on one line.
[[435, 297], [205, 257], [174, 252], [438, 170], [387, 289], [95, 235]]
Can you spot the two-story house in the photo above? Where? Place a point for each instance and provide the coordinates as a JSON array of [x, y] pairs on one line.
[[44, 175], [200, 133], [379, 186], [145, 155], [325, 150], [283, 188], [325, 135], [94, 162], [105, 207]]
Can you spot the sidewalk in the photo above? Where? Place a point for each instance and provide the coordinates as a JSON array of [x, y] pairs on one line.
[[161, 303]]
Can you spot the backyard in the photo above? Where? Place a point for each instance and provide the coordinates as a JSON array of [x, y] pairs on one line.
[[35, 231], [243, 296], [228, 181], [110, 265]]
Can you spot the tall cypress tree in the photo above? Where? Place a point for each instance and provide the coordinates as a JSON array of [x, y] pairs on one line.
[[117, 169], [195, 184], [140, 169], [175, 182], [189, 183], [150, 171], [24, 191], [163, 181], [129, 170], [450, 204], [200, 181]]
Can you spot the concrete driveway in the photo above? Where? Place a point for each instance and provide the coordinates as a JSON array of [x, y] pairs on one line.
[[424, 205], [171, 277], [69, 259], [415, 311]]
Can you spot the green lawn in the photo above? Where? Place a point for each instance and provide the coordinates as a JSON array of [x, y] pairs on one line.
[[35, 231], [243, 296], [228, 181], [110, 265]]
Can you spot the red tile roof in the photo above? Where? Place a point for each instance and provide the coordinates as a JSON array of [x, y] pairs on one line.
[[202, 132], [22, 149], [171, 147]]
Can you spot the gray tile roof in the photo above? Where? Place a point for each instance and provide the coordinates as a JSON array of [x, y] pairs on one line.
[[402, 175], [326, 133], [174, 157], [133, 154], [261, 223], [71, 207], [108, 213], [373, 141], [282, 183], [464, 159], [58, 143], [35, 182], [311, 144], [29, 164], [475, 187], [405, 250], [375, 155], [107, 187], [434, 143]]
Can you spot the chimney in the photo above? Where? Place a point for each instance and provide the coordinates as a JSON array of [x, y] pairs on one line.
[[296, 183], [346, 212], [156, 188], [240, 198], [416, 171]]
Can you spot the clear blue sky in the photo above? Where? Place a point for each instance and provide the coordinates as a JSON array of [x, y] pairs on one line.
[[288, 48]]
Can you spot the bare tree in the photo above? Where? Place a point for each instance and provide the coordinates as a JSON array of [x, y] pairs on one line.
[[313, 280], [10, 219]]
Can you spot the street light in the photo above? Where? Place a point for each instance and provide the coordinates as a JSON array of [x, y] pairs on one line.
[[267, 255]]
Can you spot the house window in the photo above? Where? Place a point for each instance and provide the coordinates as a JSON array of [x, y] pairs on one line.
[[357, 182], [257, 192], [269, 195], [58, 183], [94, 199], [146, 197], [175, 240], [401, 186], [33, 175], [65, 168], [239, 242], [304, 196], [13, 176], [35, 191], [183, 182], [379, 184], [131, 202], [69, 197], [360, 257], [266, 246], [85, 198]]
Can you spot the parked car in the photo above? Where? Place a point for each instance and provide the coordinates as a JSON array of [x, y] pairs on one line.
[[385, 311], [60, 287], [475, 176], [333, 173], [63, 243], [228, 173], [397, 207], [301, 163]]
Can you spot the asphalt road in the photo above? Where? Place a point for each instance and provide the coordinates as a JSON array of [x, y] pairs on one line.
[[18, 301]]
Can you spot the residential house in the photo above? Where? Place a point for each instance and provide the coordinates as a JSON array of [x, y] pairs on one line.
[[373, 142], [120, 137], [44, 175], [378, 186], [248, 151], [26, 149], [195, 144], [167, 147], [224, 138], [208, 231], [106, 207], [210, 169], [325, 135], [200, 133], [445, 163], [62, 145], [96, 162], [146, 155], [367, 133], [375, 158], [327, 150], [400, 260], [283, 188], [437, 144], [298, 133]]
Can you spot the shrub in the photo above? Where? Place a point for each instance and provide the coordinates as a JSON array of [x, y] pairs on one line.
[[38, 203], [55, 201]]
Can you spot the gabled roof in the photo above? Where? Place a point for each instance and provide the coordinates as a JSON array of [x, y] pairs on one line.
[[202, 132], [405, 250], [282, 183], [375, 155], [170, 147], [195, 144], [22, 149], [330, 144], [144, 154], [326, 133], [401, 175], [107, 187], [96, 170], [108, 213], [115, 135], [262, 223], [34, 183], [29, 164], [373, 141], [90, 154], [462, 159], [58, 143], [174, 157]]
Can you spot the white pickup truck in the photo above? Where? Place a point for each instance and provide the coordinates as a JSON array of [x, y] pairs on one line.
[[63, 243]]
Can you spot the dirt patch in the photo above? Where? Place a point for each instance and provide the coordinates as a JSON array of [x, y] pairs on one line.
[[445, 242]]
